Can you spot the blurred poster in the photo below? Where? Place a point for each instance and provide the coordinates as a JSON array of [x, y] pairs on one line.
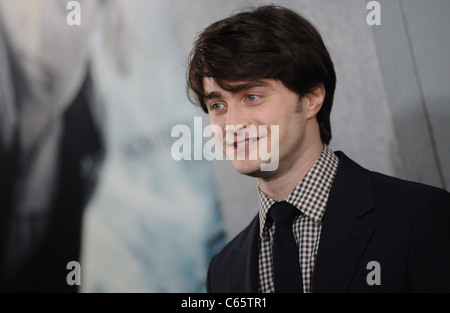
[[86, 113], [153, 223], [47, 137]]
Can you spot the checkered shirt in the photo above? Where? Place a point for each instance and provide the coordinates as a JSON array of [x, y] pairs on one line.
[[310, 197]]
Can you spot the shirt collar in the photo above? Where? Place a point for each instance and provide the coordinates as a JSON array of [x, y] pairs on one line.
[[311, 194]]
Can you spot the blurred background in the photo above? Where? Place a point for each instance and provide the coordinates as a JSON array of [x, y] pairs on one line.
[[86, 113]]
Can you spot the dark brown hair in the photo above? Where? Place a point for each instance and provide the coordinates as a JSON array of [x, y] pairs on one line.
[[270, 42]]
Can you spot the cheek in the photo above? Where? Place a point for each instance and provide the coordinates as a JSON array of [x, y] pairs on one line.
[[280, 121], [290, 129], [216, 122], [218, 131]]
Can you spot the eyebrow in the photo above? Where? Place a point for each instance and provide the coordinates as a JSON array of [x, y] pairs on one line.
[[235, 88], [212, 95]]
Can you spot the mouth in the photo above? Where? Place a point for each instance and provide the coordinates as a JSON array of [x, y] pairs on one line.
[[245, 144]]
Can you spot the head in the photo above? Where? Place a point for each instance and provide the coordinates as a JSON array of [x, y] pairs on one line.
[[266, 44]]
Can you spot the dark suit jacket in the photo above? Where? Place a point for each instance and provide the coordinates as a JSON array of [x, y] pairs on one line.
[[404, 226]]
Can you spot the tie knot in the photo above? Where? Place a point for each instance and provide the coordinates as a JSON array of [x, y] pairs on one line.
[[283, 212]]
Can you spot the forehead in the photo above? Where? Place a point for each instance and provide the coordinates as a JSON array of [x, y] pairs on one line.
[[210, 84]]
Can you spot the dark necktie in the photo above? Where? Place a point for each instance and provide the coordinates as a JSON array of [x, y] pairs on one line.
[[286, 267]]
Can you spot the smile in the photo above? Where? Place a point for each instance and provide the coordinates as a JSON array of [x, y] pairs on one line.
[[245, 143]]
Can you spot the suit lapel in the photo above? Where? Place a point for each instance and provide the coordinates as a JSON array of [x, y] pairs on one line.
[[243, 275], [343, 236]]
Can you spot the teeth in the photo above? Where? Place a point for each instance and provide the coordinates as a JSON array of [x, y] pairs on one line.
[[244, 143]]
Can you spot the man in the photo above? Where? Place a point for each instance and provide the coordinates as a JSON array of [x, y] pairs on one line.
[[351, 230]]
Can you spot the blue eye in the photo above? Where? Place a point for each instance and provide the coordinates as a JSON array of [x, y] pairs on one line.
[[252, 98], [216, 107]]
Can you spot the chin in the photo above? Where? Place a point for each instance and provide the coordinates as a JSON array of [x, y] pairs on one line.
[[249, 168]]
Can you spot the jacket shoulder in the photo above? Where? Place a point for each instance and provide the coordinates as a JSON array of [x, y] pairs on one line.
[[237, 242], [384, 186], [405, 190], [226, 270]]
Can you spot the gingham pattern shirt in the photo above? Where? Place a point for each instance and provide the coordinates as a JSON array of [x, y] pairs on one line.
[[310, 197]]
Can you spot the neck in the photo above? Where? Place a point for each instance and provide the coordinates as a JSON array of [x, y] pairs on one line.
[[280, 186]]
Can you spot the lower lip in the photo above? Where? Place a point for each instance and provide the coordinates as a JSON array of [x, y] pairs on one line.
[[246, 147]]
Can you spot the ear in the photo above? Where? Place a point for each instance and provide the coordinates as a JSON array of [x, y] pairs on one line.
[[314, 101]]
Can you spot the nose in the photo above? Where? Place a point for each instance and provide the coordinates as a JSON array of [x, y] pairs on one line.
[[237, 119]]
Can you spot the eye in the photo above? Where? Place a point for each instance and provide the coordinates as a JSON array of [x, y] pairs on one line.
[[252, 98], [216, 107]]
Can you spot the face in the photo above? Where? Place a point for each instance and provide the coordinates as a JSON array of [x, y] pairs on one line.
[[257, 116]]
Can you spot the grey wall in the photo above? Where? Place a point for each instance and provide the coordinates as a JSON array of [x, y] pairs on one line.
[[391, 111], [413, 46]]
